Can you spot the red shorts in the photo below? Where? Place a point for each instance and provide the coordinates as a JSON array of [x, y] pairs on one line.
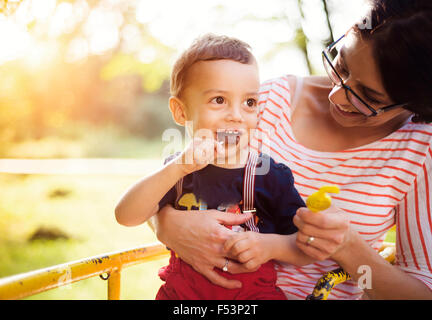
[[182, 282]]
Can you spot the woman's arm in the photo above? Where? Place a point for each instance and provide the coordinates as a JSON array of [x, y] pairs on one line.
[[387, 281], [198, 238], [334, 239]]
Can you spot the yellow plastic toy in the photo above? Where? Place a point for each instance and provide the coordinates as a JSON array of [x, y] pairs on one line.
[[320, 200]]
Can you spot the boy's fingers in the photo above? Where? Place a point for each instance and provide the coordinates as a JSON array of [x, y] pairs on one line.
[[231, 241], [252, 265], [245, 256], [236, 244]]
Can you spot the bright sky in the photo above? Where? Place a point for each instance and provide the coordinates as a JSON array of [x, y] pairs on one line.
[[175, 23]]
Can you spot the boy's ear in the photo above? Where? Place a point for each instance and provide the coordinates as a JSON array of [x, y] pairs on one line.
[[178, 110]]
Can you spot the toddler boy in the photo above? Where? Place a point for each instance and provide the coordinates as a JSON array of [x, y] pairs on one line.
[[214, 93]]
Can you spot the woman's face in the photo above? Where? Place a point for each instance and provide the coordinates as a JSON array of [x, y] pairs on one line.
[[355, 63]]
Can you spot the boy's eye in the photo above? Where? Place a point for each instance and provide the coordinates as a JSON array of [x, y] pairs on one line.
[[218, 100], [251, 103]]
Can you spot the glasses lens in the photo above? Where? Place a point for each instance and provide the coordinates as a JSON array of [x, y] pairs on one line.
[[330, 71], [358, 104]]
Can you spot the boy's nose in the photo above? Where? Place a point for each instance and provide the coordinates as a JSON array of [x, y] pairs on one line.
[[235, 114]]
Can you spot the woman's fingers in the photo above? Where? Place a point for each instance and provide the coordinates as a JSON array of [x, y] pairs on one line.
[[311, 230], [219, 280], [332, 218], [321, 234], [315, 244], [235, 267], [229, 219], [313, 252]]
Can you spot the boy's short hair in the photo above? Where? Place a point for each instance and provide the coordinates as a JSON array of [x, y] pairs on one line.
[[206, 48]]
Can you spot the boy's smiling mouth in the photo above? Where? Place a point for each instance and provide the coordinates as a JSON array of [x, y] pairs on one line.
[[229, 136]]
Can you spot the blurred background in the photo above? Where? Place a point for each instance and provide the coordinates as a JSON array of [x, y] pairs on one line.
[[90, 80]]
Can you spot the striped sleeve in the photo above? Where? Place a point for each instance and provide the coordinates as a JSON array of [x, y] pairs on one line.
[[414, 226]]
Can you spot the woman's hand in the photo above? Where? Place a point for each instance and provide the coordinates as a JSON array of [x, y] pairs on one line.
[[198, 237], [323, 235]]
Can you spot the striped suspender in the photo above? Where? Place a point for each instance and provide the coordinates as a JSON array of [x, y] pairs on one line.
[[179, 188], [249, 188]]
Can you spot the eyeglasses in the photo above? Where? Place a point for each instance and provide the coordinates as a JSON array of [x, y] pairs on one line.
[[356, 101]]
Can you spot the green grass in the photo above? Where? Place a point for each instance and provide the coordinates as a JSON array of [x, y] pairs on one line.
[[81, 207]]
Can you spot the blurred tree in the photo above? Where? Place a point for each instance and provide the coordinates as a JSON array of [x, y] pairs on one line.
[[90, 61], [330, 40], [301, 39], [296, 20], [8, 7]]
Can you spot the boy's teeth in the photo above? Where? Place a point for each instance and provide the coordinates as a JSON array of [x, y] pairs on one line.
[[229, 136], [228, 132]]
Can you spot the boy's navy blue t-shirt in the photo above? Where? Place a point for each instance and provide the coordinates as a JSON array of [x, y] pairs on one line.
[[276, 199]]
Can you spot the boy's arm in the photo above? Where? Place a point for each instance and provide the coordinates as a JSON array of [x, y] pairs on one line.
[[284, 248], [141, 201], [253, 249]]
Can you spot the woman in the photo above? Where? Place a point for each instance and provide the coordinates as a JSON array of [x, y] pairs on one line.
[[364, 128]]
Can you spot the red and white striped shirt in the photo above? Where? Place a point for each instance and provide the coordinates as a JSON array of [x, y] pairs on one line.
[[383, 183]]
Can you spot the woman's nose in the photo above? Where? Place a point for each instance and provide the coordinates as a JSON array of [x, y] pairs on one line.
[[338, 96]]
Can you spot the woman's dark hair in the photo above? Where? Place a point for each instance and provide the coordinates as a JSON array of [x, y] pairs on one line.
[[400, 32]]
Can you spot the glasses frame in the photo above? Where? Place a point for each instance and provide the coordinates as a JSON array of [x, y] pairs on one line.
[[375, 112]]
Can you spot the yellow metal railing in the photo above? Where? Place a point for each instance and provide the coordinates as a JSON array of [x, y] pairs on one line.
[[33, 282], [27, 284]]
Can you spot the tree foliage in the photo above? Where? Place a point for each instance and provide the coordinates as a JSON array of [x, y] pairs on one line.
[[92, 61], [64, 77]]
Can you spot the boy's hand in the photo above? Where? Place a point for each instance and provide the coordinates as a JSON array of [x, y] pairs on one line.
[[198, 154], [249, 248]]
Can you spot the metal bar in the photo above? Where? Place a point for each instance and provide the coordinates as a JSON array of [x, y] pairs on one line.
[[114, 284], [33, 282]]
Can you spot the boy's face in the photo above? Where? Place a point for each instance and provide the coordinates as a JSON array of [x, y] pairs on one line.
[[222, 97]]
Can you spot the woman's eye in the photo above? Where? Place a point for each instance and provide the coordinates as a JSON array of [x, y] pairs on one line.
[[251, 103], [372, 100], [218, 100], [341, 70]]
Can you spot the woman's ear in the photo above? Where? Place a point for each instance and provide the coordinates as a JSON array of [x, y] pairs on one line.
[[178, 110]]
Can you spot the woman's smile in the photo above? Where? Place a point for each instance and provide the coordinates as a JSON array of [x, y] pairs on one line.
[[346, 112]]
